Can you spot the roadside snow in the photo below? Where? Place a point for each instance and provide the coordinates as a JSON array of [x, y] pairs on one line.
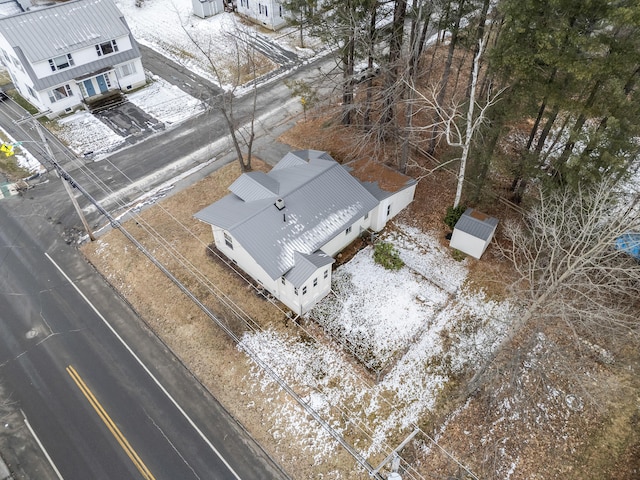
[[82, 133]]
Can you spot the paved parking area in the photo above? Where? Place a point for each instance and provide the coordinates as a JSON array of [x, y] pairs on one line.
[[130, 122]]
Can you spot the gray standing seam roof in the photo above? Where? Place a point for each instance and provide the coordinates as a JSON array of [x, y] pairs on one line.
[[45, 33], [305, 265], [482, 229], [321, 200]]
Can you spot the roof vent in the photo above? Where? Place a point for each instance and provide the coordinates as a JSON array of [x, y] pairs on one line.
[[279, 204]]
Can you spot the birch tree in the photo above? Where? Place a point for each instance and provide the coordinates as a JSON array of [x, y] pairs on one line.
[[457, 126]]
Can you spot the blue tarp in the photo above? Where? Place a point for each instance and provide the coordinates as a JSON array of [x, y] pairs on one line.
[[629, 243]]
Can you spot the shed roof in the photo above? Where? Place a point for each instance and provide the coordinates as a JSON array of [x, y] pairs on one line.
[[320, 199], [477, 224]]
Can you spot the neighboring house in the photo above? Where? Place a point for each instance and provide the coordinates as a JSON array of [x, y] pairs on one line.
[[268, 13], [71, 53], [284, 227], [473, 232]]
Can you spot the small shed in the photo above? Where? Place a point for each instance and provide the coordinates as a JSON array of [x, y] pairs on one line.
[[207, 8], [473, 232]]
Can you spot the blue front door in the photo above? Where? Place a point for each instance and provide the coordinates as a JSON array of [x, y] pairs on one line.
[[88, 86], [102, 84]]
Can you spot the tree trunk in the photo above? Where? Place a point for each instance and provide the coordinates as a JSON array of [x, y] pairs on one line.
[[370, 65], [447, 70], [395, 51], [469, 129], [347, 87]]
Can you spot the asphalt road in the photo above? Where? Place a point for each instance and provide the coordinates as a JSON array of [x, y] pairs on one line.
[[95, 405], [59, 360]]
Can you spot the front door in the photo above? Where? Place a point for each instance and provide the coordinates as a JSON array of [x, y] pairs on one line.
[[102, 84], [88, 86]]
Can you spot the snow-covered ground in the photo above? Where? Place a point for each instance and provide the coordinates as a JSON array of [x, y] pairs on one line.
[[420, 325]]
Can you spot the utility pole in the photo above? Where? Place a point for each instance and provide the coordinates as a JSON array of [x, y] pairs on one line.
[[67, 187]]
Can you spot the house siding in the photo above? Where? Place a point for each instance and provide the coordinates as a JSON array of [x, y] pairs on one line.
[[299, 303], [395, 204], [264, 12], [343, 239]]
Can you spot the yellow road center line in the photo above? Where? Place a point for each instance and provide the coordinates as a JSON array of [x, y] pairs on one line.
[[115, 431]]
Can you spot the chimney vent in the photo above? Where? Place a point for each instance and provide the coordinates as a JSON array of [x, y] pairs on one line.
[[279, 204]]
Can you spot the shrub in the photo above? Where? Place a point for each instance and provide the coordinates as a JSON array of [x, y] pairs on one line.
[[453, 215], [457, 255], [384, 254]]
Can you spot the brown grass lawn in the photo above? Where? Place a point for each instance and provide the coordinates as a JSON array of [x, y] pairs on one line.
[[605, 446]]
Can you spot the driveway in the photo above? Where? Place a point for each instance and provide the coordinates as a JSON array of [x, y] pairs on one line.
[[129, 121]]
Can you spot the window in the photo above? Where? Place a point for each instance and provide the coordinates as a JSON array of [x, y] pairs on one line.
[[228, 240], [263, 10], [31, 92], [295, 290], [126, 69], [326, 273], [347, 231], [284, 282], [280, 8], [59, 93], [388, 210], [106, 48], [107, 80], [315, 282], [304, 290], [63, 61], [366, 215]]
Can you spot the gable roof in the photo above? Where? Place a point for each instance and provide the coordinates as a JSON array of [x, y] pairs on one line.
[[476, 224], [40, 34], [305, 265], [48, 32], [320, 200]]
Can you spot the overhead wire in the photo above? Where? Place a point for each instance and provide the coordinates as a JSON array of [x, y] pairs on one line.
[[202, 279]]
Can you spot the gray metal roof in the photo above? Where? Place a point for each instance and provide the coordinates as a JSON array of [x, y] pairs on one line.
[[300, 157], [38, 35], [255, 186], [482, 227], [305, 266], [321, 200], [62, 28]]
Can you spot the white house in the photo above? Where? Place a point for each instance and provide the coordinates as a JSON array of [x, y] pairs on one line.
[[71, 53], [473, 232], [283, 228], [268, 13]]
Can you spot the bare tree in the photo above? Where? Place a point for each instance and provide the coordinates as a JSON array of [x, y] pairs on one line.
[[569, 268], [245, 60], [449, 121]]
